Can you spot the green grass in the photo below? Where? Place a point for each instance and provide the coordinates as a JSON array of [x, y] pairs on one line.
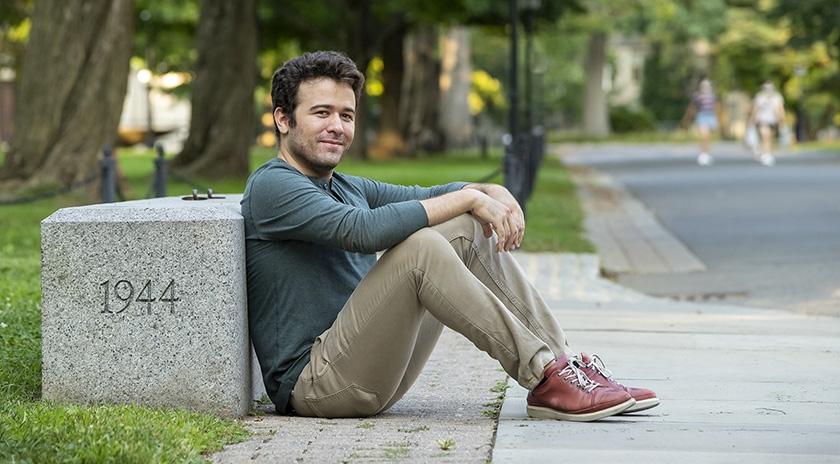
[[35, 431], [831, 147], [673, 136], [45, 432]]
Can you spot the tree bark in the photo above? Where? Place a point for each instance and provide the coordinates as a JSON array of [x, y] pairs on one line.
[[222, 122], [70, 92], [420, 103], [455, 79], [595, 114], [389, 141]]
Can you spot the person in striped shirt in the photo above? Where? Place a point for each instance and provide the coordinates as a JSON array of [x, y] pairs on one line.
[[705, 110]]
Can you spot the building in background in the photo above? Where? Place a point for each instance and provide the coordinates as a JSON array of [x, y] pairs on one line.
[[151, 114]]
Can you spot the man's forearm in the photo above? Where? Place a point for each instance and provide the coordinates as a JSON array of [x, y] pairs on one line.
[[445, 207]]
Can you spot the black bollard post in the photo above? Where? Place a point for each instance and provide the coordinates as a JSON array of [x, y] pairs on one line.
[[512, 167], [536, 153], [108, 181], [160, 172]]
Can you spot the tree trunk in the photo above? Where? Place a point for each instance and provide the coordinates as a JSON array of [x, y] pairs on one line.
[[70, 92], [222, 122], [361, 46], [455, 79], [420, 102], [595, 115], [389, 140]]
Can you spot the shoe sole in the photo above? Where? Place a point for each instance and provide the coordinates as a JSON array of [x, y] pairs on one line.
[[539, 412], [642, 405]]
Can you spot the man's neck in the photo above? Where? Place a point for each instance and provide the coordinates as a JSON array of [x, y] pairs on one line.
[[303, 167]]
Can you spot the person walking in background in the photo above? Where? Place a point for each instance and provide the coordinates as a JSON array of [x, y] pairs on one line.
[[705, 109], [768, 112]]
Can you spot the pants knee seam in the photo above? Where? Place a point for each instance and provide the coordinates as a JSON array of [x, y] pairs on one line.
[[515, 301]]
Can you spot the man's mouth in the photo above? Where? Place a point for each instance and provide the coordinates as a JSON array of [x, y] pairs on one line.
[[332, 142]]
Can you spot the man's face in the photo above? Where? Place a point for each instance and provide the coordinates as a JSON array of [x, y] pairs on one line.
[[325, 122]]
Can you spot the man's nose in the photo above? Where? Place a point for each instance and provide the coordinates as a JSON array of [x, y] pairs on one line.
[[334, 123]]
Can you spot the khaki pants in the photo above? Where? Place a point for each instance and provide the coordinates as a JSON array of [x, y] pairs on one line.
[[449, 274]]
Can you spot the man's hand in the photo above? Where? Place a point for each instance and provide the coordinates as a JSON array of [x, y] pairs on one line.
[[509, 223]]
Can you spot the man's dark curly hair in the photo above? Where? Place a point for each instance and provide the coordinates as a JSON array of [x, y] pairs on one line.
[[287, 79]]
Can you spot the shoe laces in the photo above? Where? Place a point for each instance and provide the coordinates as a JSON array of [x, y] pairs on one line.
[[598, 365], [577, 377]]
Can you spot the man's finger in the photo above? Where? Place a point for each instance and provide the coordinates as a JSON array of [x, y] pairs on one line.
[[488, 229], [502, 234], [514, 234]]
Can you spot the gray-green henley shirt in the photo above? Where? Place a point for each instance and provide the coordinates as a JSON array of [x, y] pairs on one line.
[[309, 243]]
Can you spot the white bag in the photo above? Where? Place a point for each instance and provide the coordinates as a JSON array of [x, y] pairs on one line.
[[785, 135], [751, 138]]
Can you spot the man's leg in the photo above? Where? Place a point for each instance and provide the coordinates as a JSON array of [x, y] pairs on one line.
[[375, 348]]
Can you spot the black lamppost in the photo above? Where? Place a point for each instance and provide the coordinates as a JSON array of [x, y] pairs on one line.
[[522, 150], [512, 165], [533, 148]]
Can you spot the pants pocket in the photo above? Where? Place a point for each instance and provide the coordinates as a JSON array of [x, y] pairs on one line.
[[351, 401]]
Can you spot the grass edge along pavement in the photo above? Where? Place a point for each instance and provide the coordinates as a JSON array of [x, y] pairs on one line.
[[37, 431]]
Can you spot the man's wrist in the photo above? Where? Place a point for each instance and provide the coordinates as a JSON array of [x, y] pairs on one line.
[[486, 189], [479, 187], [474, 195]]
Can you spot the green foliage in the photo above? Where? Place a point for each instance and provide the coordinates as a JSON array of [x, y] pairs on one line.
[[624, 119], [746, 51], [14, 31], [668, 81], [810, 21], [165, 34]]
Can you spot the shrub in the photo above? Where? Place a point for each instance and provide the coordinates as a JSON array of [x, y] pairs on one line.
[[624, 119]]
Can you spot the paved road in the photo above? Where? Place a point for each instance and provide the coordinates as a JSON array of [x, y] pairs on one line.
[[769, 237]]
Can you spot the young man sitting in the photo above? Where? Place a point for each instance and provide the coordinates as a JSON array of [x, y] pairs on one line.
[[339, 333]]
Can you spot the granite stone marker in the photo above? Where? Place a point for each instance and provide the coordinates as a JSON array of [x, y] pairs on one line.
[[145, 302]]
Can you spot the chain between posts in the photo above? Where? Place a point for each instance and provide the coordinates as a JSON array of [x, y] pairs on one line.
[[107, 174]]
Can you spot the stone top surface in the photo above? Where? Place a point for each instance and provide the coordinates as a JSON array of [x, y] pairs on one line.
[[156, 209]]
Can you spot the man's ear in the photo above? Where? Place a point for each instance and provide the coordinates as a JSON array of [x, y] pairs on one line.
[[282, 121]]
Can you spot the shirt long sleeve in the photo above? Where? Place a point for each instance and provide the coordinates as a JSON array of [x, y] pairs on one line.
[[380, 193], [286, 205]]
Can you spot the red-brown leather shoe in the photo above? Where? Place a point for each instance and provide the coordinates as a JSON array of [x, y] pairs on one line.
[[566, 393], [595, 369]]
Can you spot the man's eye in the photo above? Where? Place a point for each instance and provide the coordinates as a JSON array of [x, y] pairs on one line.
[[347, 117]]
